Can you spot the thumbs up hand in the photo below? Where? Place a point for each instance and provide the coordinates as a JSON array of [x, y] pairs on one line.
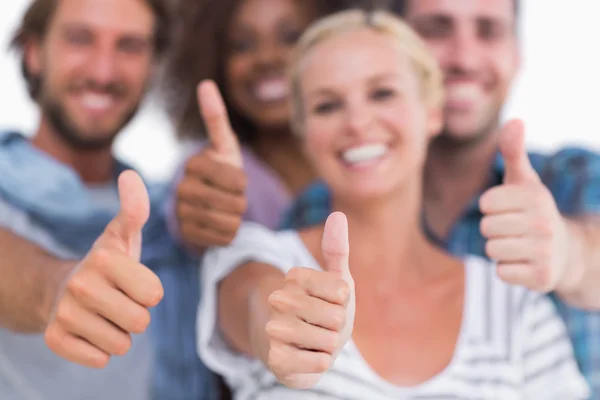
[[526, 233], [211, 197], [312, 316], [107, 296]]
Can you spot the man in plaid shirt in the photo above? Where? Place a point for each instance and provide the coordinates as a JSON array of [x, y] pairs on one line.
[[483, 194]]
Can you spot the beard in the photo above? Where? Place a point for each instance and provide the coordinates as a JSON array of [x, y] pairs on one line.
[[447, 139], [66, 127]]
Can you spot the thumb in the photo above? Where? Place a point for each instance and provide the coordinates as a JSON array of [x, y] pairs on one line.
[[220, 133], [335, 246], [518, 168], [125, 230]]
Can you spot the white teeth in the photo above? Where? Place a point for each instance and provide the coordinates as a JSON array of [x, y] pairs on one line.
[[465, 91], [271, 90], [365, 153], [96, 101]]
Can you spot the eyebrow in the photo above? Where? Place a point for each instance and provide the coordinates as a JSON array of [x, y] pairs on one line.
[[130, 34], [324, 91]]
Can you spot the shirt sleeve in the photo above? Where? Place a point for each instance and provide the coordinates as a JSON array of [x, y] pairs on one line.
[[549, 366], [573, 177], [252, 243], [19, 222]]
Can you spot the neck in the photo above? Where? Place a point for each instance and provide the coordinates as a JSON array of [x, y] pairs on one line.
[[93, 166], [454, 176], [386, 235], [282, 151]]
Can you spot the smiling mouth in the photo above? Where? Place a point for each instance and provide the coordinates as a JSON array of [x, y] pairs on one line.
[[461, 96], [271, 90], [364, 154], [97, 103]]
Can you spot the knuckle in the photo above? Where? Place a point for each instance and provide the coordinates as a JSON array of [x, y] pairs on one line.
[[241, 205], [271, 328], [543, 278], [338, 318], [122, 345], [322, 362], [490, 249], [543, 226], [275, 360], [485, 227], [544, 254], [188, 232], [485, 201], [80, 285], [99, 362], [181, 191], [140, 321], [221, 240], [156, 292], [242, 180], [98, 259], [63, 314], [332, 342], [275, 299], [194, 163], [53, 339], [539, 198], [297, 275], [342, 291]]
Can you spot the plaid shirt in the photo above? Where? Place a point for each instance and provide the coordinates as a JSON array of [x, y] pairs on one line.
[[573, 177]]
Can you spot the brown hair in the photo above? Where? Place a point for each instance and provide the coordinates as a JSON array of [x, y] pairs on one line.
[[399, 7], [38, 16], [201, 54]]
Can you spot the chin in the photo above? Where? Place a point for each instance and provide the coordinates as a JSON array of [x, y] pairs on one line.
[[272, 119], [364, 193]]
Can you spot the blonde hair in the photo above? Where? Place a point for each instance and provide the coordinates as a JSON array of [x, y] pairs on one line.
[[383, 22]]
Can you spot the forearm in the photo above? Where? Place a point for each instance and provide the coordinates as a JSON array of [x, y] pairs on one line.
[[30, 280], [244, 310], [581, 287]]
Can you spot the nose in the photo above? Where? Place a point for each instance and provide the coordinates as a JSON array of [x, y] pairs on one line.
[[270, 55], [359, 118], [103, 66], [464, 52]]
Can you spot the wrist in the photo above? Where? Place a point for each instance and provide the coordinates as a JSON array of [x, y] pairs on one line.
[[51, 284], [574, 270]]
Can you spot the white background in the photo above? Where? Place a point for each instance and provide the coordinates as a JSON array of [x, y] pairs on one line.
[[556, 93]]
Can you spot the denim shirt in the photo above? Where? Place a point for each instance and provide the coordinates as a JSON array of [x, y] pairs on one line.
[[47, 203]]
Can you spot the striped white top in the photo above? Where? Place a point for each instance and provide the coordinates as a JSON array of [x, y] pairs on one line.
[[512, 343]]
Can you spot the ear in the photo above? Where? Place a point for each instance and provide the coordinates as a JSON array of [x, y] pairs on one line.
[[32, 56], [435, 122]]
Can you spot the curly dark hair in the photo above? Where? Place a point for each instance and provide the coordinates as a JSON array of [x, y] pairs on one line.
[[200, 54], [38, 16]]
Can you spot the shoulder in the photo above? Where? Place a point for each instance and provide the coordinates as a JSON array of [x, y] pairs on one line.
[[567, 160], [572, 175], [20, 223]]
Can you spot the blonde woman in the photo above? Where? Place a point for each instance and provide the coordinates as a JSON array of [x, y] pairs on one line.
[[296, 315]]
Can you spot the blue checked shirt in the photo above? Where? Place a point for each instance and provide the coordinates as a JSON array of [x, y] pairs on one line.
[[573, 177]]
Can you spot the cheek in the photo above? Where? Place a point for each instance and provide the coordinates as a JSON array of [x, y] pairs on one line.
[[440, 50], [319, 138], [507, 68], [139, 74], [236, 69], [408, 126]]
